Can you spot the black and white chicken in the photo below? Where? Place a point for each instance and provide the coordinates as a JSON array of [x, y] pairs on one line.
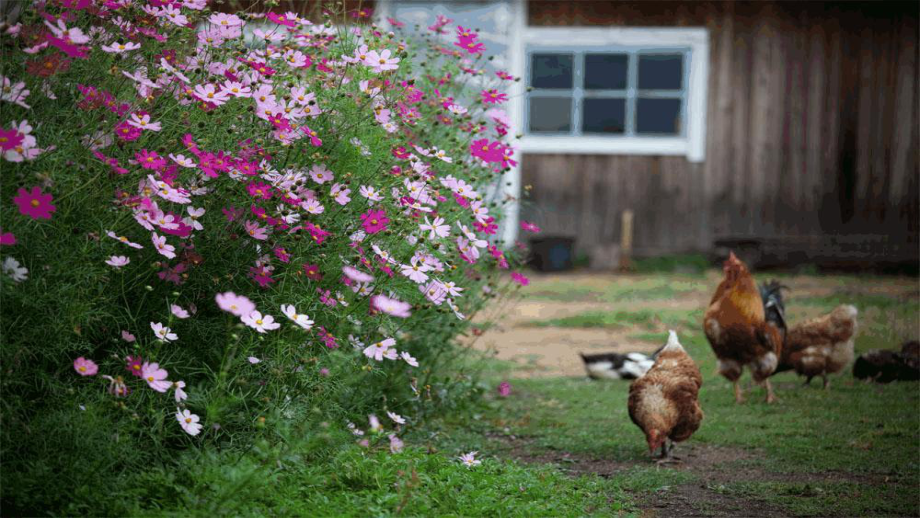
[[617, 366]]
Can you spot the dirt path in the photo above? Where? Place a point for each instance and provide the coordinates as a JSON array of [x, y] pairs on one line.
[[712, 468]]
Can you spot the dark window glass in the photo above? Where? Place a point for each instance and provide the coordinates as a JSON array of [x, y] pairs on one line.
[[661, 72], [606, 71], [604, 116], [550, 114], [551, 71], [658, 116]]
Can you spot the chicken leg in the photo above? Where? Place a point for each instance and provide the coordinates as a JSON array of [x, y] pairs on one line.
[[771, 398], [739, 399]]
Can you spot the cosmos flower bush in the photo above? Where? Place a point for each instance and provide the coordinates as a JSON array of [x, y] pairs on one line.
[[216, 222]]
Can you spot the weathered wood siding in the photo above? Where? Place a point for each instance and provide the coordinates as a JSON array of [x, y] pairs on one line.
[[812, 130]]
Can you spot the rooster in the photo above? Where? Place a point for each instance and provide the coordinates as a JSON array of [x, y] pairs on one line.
[[663, 402], [738, 330], [822, 345]]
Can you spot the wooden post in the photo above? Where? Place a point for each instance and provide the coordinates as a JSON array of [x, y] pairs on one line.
[[626, 239]]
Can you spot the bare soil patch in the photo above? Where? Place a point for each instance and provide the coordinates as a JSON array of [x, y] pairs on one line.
[[712, 467]]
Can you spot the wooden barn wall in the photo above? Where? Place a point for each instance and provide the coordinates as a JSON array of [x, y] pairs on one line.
[[812, 130]]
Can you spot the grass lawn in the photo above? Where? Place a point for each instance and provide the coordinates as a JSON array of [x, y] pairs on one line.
[[853, 450]]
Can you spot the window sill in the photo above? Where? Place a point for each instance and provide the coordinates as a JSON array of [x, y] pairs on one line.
[[583, 145]]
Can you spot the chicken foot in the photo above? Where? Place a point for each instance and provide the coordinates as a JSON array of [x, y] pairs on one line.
[[771, 398]]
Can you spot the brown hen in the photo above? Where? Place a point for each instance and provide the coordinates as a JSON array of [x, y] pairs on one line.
[[664, 402], [738, 331]]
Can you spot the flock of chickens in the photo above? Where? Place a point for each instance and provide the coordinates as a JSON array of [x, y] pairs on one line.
[[746, 327]]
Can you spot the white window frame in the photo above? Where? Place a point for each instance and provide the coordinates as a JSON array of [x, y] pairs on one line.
[[691, 144]]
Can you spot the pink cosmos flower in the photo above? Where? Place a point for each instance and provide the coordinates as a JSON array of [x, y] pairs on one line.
[[118, 48], [260, 323], [179, 311], [122, 239], [253, 360], [210, 94], [396, 418], [127, 336], [504, 389], [162, 332], [255, 231], [320, 174], [117, 261], [469, 459], [520, 278], [381, 62], [392, 307], [380, 350], [155, 377], [135, 365], [356, 275], [85, 367], [164, 248], [374, 423], [188, 421], [396, 444], [408, 359], [141, 120], [236, 304], [374, 221], [34, 204]]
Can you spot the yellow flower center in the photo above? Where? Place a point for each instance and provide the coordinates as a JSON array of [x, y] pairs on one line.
[[34, 203], [259, 322]]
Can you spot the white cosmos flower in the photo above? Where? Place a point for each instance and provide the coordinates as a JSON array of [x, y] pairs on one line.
[[302, 320], [163, 333], [260, 323], [188, 421], [12, 268]]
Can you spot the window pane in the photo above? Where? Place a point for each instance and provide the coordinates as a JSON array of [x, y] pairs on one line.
[[550, 114], [551, 71], [604, 116], [660, 116], [661, 72], [606, 71]]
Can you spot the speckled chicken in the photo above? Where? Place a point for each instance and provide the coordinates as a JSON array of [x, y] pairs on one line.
[[822, 345], [664, 402]]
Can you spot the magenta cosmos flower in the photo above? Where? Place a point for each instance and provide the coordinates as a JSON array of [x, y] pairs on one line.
[[235, 304], [34, 204], [520, 278], [85, 367], [493, 97], [374, 221]]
